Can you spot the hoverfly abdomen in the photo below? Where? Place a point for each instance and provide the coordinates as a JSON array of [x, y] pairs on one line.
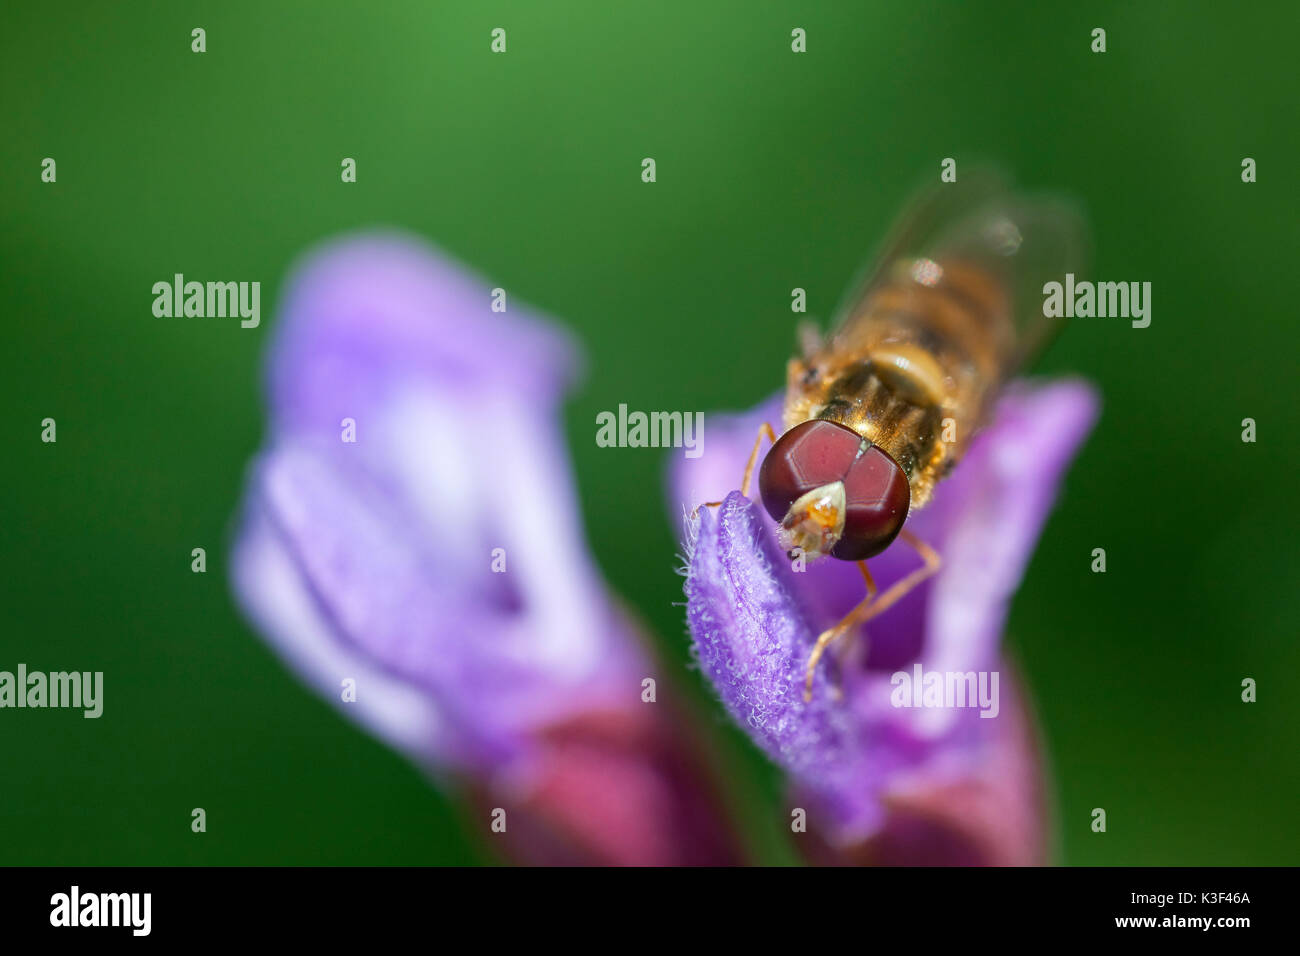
[[910, 372]]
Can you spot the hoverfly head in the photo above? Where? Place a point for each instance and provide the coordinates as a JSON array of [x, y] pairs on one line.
[[833, 492]]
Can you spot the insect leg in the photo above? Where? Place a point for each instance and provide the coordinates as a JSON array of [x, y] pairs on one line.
[[869, 608], [753, 456], [829, 636], [899, 588], [764, 429]]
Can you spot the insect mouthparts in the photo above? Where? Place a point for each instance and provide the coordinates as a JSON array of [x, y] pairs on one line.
[[815, 521]]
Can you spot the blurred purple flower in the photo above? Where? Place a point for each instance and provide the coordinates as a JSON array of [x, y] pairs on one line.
[[372, 560], [881, 783]]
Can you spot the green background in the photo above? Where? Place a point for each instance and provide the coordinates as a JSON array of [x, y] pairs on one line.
[[775, 170]]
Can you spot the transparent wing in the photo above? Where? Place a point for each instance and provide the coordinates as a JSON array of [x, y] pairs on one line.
[[1018, 241]]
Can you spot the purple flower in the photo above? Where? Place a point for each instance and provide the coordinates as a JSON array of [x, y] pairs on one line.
[[883, 782], [411, 545]]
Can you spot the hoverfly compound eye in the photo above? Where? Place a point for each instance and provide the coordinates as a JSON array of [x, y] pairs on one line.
[[833, 491], [808, 456], [877, 496]]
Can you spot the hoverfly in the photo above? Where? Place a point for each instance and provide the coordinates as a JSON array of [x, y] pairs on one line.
[[882, 409]]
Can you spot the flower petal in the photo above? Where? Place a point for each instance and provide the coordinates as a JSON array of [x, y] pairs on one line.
[[456, 464], [984, 521], [991, 813], [412, 526], [365, 316], [752, 639], [988, 517]]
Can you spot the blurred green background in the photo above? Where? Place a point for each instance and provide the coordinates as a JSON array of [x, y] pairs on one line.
[[775, 170]]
